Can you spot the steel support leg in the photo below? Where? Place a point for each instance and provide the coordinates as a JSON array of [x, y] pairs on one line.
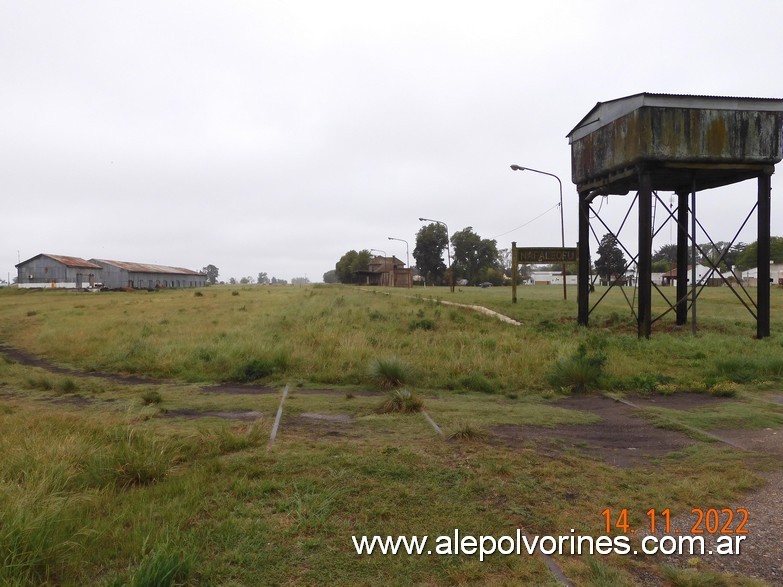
[[762, 323], [644, 276], [682, 258], [583, 270]]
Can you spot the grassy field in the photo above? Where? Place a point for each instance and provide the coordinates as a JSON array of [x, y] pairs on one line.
[[104, 482]]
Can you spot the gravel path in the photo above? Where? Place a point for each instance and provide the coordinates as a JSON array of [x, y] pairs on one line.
[[761, 553]]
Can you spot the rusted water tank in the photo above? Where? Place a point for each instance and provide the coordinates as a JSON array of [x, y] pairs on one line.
[[688, 143]]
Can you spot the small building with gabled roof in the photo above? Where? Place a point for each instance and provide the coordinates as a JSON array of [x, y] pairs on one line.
[[57, 271]]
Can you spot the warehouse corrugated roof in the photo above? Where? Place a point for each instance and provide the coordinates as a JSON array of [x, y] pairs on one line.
[[147, 267]]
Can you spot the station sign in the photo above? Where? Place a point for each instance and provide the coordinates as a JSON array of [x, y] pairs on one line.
[[546, 254]]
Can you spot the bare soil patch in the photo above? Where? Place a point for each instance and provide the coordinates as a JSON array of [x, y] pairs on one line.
[[622, 438], [246, 416], [29, 360], [234, 389], [327, 417], [678, 401], [317, 426]]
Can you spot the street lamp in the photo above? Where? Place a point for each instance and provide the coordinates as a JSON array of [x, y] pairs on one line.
[[448, 250], [407, 257], [562, 223]]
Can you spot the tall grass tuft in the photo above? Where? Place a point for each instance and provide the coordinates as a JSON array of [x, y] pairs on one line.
[[151, 397], [401, 401], [468, 431], [67, 385], [602, 575], [390, 373], [131, 459], [164, 566], [477, 382], [579, 372], [36, 537]]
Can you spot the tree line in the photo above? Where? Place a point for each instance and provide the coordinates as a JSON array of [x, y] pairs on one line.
[[212, 273], [474, 259], [726, 257], [478, 260]]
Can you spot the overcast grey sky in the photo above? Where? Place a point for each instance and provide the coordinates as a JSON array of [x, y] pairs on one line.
[[277, 135]]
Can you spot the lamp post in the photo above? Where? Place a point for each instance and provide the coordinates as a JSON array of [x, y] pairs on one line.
[[562, 223], [384, 258], [407, 257], [448, 250]]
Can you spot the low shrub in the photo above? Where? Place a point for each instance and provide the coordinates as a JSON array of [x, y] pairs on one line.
[[151, 397], [477, 382], [579, 372], [260, 367], [421, 324]]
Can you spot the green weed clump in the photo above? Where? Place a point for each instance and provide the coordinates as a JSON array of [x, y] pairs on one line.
[[579, 372], [748, 369], [421, 324], [390, 373], [39, 382], [401, 401], [260, 367]]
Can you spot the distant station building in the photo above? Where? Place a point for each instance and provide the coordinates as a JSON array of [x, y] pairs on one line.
[[388, 272], [61, 271]]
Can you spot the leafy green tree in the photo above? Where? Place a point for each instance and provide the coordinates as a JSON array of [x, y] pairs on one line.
[[474, 257], [747, 258], [331, 276], [350, 263], [431, 242], [662, 266], [721, 250], [263, 278], [665, 257], [611, 260], [212, 274]]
